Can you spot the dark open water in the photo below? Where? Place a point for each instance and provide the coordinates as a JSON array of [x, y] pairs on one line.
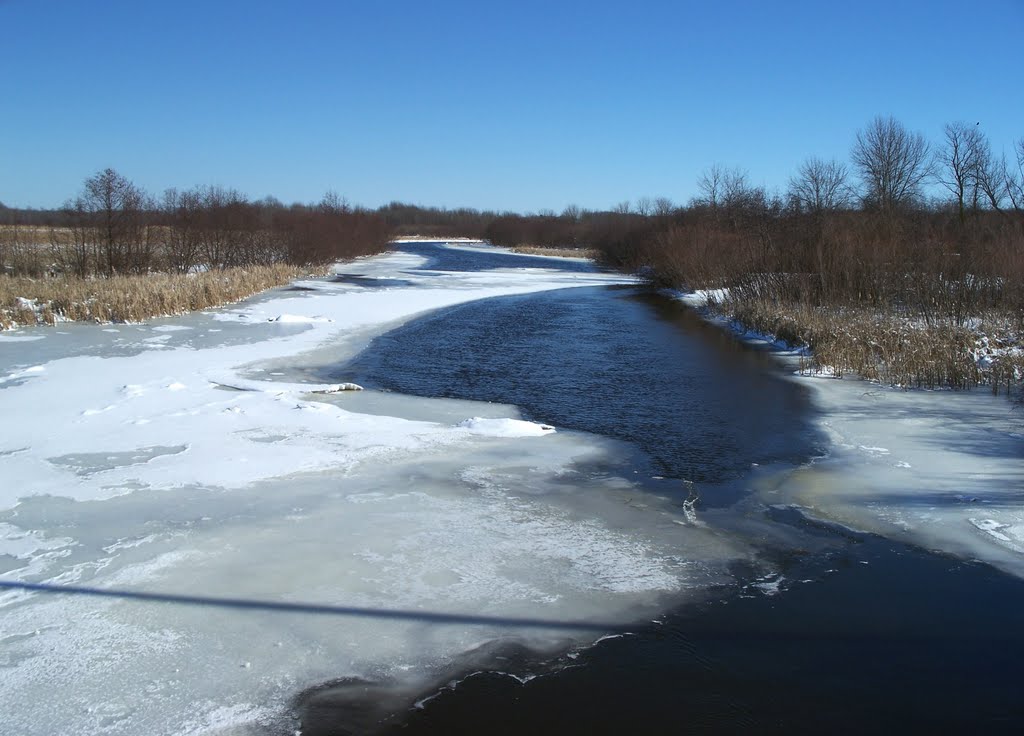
[[872, 636]]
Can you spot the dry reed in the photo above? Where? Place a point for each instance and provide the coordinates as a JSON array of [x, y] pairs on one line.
[[26, 301], [891, 348], [537, 250]]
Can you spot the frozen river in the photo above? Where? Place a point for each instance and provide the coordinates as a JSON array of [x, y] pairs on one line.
[[519, 453]]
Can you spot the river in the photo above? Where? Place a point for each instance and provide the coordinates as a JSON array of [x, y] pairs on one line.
[[867, 639], [653, 506]]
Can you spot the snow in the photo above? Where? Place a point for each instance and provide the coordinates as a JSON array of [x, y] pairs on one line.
[[209, 463], [703, 297], [298, 319], [940, 469], [505, 427], [427, 239], [176, 397]]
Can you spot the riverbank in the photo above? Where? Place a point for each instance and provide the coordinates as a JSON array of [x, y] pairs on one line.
[[934, 467], [133, 298], [889, 348], [535, 250]]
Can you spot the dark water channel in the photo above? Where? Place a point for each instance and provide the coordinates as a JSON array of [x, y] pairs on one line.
[[620, 362], [870, 636]]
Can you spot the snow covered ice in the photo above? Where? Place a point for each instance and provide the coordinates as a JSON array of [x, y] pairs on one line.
[[189, 456], [940, 469]]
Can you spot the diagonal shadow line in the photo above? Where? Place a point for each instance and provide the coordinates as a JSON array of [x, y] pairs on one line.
[[392, 614]]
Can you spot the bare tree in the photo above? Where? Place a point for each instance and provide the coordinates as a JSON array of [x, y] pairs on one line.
[[721, 187], [1013, 178], [1000, 181], [182, 212], [959, 162], [893, 163], [736, 188], [8, 237], [116, 207], [819, 186], [222, 226], [663, 207], [991, 179], [333, 203], [709, 187], [74, 247], [572, 212]]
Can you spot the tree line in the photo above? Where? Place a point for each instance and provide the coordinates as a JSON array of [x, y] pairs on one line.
[[115, 227], [862, 232]]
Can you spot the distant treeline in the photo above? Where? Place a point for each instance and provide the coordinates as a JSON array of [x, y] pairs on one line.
[[114, 227], [866, 238], [860, 233]]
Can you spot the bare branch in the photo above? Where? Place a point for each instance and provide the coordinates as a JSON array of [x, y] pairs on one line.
[[892, 163]]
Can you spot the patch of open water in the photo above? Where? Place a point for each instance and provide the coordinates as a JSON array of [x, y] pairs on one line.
[[859, 634]]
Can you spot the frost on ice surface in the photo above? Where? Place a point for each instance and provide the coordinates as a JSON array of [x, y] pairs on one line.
[[335, 388], [498, 427], [1009, 534]]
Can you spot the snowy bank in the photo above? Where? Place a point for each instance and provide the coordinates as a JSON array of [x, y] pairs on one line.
[[942, 469], [192, 457]]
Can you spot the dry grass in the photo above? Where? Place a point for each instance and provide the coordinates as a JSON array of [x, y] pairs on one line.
[[537, 250], [25, 301], [36, 235], [892, 349]]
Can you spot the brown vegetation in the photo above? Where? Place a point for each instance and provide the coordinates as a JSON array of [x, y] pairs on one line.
[[132, 298], [113, 228], [115, 254], [876, 278], [893, 290], [536, 250]]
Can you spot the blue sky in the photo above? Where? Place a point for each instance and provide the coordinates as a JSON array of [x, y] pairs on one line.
[[511, 106]]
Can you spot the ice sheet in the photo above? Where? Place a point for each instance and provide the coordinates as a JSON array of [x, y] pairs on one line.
[[198, 463], [940, 469], [174, 396]]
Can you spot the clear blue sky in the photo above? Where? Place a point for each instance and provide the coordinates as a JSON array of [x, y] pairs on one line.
[[520, 106]]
